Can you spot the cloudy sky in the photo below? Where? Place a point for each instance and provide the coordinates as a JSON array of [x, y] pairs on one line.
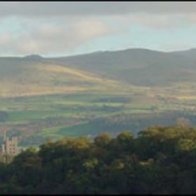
[[68, 28]]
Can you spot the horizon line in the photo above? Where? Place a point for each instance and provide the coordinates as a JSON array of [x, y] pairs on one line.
[[97, 51]]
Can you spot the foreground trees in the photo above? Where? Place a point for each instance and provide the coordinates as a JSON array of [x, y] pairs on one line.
[[160, 160]]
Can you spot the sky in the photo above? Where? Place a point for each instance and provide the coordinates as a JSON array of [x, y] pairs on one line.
[[70, 28]]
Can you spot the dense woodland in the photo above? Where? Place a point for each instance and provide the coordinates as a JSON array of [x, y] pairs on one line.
[[160, 160]]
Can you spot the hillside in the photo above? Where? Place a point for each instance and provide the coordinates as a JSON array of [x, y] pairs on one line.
[[35, 76], [141, 67], [48, 98]]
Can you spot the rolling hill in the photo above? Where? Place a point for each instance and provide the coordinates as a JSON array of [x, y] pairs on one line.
[[33, 74], [49, 98], [141, 67]]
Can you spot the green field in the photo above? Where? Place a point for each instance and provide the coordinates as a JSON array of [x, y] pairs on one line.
[[49, 98], [36, 119]]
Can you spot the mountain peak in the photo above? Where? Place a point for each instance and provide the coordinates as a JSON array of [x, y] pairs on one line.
[[192, 49], [33, 57]]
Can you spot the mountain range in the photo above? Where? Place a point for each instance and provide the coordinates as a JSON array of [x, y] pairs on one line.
[[49, 98], [34, 74]]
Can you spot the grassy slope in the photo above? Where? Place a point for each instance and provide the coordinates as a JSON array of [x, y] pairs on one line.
[[41, 78], [38, 118], [56, 100], [137, 66]]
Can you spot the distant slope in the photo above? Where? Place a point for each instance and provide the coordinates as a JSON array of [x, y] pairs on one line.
[[138, 66], [191, 53], [33, 76]]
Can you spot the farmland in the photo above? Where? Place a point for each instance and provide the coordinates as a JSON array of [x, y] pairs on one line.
[[49, 98], [36, 119]]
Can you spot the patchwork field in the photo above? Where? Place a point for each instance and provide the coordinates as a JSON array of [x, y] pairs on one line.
[[35, 119], [48, 98]]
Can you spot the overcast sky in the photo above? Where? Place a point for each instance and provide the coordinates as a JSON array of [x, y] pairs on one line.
[[68, 28]]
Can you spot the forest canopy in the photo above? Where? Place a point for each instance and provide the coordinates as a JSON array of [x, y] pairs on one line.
[[160, 160]]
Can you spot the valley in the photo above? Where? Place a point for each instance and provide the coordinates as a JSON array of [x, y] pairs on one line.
[[45, 99], [36, 119]]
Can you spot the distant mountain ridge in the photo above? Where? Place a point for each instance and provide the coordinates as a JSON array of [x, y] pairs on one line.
[[138, 66], [34, 74], [34, 57]]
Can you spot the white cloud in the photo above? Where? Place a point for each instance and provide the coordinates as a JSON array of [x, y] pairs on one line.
[[48, 38], [159, 22], [89, 29], [59, 27], [5, 38]]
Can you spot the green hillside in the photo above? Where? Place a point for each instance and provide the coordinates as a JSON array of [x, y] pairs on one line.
[[24, 77], [48, 98], [141, 67]]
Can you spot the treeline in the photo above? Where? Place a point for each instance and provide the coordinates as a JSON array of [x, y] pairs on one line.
[[140, 121], [160, 160]]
